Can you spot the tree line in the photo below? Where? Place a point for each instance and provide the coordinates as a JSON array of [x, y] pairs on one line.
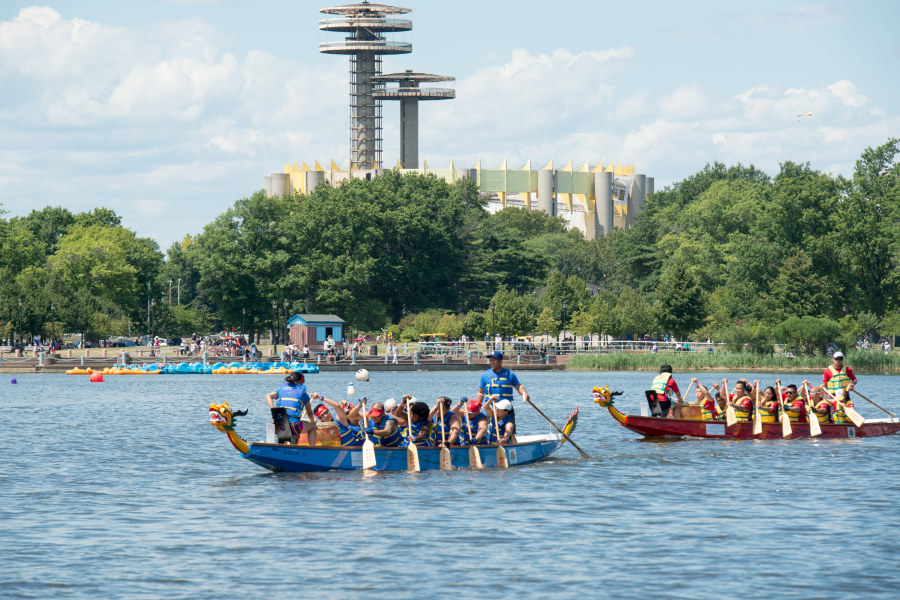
[[728, 253]]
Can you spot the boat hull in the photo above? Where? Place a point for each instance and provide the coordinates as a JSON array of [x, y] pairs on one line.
[[280, 457], [674, 428]]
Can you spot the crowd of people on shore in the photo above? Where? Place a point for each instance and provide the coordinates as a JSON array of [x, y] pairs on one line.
[[487, 418], [826, 401]]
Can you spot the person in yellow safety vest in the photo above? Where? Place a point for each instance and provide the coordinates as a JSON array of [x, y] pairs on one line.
[[768, 406], [821, 406], [739, 400], [794, 405], [838, 379], [706, 401], [665, 387]]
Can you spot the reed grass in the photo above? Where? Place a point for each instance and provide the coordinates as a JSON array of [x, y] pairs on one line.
[[694, 361]]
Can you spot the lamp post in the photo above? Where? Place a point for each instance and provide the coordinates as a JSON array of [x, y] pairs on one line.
[[492, 322], [565, 306], [274, 321], [152, 306], [243, 318], [21, 303], [286, 305], [52, 326], [170, 291], [179, 291]]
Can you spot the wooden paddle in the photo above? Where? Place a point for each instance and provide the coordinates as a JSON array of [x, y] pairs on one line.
[[889, 413], [368, 447], [730, 417], [757, 419], [851, 413], [474, 455], [684, 397], [555, 426], [814, 427], [445, 459], [501, 453], [412, 453], [786, 430]]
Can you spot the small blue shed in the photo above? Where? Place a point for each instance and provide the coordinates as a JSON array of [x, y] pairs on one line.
[[313, 330]]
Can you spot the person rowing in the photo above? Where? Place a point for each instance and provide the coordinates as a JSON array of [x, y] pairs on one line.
[[506, 422], [794, 405], [739, 400], [706, 402], [450, 421], [819, 403], [768, 405], [383, 426], [420, 430], [351, 435], [474, 424]]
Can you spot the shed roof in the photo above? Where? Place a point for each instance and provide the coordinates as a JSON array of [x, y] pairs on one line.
[[313, 319]]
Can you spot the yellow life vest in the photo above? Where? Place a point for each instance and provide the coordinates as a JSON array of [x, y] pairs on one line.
[[743, 414], [766, 416], [660, 383], [839, 381], [822, 418], [708, 414]]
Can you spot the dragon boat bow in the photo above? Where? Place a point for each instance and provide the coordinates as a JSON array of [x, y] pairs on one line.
[[662, 427], [302, 457]]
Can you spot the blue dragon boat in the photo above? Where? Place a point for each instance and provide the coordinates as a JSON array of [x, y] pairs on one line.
[[281, 457]]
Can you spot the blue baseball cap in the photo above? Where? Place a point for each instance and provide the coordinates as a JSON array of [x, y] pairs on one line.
[[496, 354]]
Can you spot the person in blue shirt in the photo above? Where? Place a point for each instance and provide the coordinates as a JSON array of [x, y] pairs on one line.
[[293, 397], [383, 427], [351, 435], [499, 381]]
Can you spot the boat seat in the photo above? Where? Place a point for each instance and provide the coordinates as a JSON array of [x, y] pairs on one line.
[[282, 426], [655, 408]]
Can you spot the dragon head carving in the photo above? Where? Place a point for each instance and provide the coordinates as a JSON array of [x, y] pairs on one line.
[[603, 396], [222, 418]]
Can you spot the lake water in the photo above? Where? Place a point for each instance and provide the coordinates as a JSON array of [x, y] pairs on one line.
[[123, 490]]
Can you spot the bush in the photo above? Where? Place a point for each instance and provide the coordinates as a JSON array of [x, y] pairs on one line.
[[808, 335]]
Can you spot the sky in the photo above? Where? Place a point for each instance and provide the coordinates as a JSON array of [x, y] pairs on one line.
[[168, 111]]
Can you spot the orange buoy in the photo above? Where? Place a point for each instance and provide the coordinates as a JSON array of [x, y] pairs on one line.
[[96, 377]]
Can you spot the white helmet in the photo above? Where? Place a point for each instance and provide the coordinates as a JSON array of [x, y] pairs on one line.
[[362, 375]]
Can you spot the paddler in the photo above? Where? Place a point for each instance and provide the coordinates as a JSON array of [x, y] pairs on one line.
[[506, 421], [383, 426], [768, 404], [819, 402], [706, 401], [739, 400], [351, 435], [665, 387], [450, 421], [473, 422], [499, 381], [839, 380], [420, 430], [794, 405], [293, 397]]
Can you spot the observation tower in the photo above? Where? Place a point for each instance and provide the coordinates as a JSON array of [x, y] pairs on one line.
[[365, 25], [409, 94]]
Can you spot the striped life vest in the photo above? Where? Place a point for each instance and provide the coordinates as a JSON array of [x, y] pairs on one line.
[[838, 382], [744, 415], [660, 386]]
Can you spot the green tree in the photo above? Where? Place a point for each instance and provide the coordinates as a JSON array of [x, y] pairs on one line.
[[678, 307]]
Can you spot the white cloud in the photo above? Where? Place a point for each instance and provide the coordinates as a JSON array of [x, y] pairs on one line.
[[847, 93]]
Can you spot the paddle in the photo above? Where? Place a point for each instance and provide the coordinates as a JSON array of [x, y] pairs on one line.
[[684, 398], [814, 427], [757, 419], [786, 430], [501, 453], [474, 455], [555, 426], [892, 415], [412, 453], [730, 417], [851, 413], [445, 460], [368, 450]]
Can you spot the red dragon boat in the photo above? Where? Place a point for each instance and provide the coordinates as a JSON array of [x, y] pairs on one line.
[[662, 427]]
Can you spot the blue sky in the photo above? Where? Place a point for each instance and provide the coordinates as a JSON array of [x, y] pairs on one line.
[[167, 111]]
